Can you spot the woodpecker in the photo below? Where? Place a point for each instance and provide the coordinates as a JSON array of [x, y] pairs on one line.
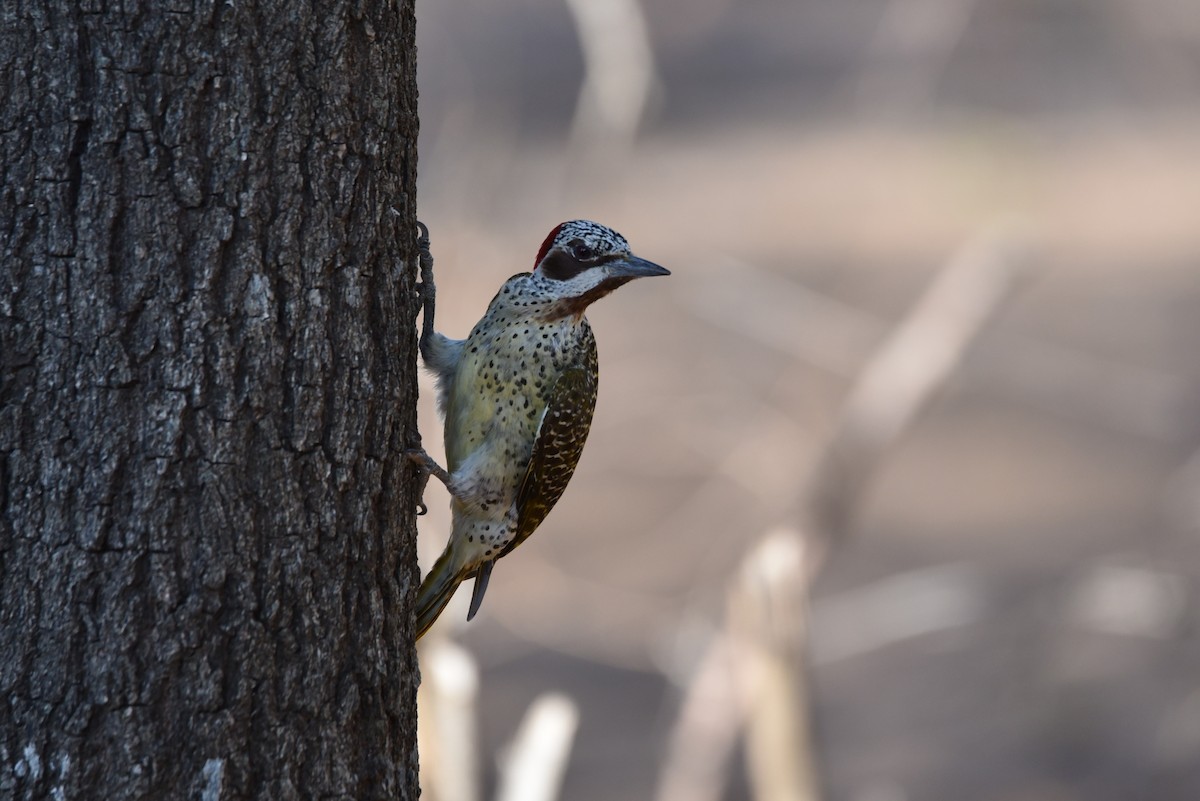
[[517, 396]]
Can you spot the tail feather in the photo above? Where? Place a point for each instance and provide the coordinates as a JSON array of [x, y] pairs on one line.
[[437, 589], [481, 581]]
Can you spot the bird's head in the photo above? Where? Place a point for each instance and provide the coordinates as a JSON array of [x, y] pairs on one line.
[[582, 261]]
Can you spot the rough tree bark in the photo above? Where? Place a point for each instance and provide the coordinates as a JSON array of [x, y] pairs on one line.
[[207, 303]]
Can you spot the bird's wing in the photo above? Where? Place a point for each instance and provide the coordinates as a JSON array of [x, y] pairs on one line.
[[557, 445]]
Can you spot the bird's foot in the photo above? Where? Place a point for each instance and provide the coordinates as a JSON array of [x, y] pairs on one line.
[[426, 287], [426, 257], [422, 482], [427, 467]]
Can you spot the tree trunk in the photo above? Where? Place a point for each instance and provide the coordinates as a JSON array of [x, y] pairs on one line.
[[207, 269]]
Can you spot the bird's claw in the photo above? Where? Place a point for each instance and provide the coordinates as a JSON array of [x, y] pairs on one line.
[[426, 467], [426, 288], [422, 482], [424, 257], [417, 456]]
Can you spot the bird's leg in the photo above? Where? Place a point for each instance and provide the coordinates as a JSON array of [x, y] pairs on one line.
[[427, 467], [415, 453], [422, 482], [426, 287]]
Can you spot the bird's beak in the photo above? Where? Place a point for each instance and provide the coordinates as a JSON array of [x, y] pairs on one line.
[[634, 267]]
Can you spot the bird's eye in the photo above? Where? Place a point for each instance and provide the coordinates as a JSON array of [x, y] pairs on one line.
[[582, 252]]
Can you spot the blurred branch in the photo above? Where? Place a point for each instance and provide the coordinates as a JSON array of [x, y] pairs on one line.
[[1182, 495], [1131, 600], [696, 765], [834, 336], [898, 381], [534, 766], [446, 721], [894, 608], [912, 45], [1167, 34], [619, 73], [767, 618]]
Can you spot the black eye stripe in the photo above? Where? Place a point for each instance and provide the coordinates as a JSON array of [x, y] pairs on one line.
[[562, 266]]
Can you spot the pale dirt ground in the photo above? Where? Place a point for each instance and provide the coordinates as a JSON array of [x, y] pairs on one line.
[[1044, 499]]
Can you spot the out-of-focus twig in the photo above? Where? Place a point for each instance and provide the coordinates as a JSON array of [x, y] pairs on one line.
[[1182, 495], [534, 766], [768, 627], [767, 615], [903, 375], [895, 608], [446, 721], [701, 743], [822, 331], [913, 42], [619, 73]]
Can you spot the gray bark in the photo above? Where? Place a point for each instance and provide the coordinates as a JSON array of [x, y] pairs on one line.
[[207, 304]]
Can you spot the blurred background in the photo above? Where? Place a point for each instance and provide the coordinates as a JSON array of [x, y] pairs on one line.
[[930, 336]]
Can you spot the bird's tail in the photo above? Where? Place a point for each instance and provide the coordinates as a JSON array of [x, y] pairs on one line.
[[437, 589]]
